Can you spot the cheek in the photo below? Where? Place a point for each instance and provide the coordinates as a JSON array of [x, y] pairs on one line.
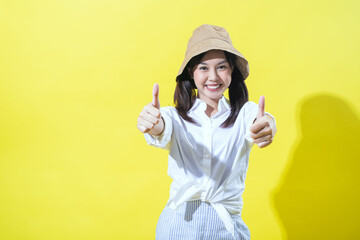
[[226, 78], [198, 78], [198, 84], [196, 75]]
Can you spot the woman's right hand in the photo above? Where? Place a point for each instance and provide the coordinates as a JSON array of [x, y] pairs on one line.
[[150, 120]]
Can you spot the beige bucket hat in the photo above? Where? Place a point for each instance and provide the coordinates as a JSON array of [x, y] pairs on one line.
[[210, 37]]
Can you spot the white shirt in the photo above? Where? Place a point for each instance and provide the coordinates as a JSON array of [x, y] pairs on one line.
[[207, 162]]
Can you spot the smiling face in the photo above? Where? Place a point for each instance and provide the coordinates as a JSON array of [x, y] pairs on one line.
[[212, 76]]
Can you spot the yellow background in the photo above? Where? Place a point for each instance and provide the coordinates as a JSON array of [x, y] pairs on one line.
[[75, 74]]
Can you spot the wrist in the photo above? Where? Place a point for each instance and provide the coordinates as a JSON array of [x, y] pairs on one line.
[[158, 129]]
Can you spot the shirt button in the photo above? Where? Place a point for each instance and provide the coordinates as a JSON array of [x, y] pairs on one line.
[[207, 156]]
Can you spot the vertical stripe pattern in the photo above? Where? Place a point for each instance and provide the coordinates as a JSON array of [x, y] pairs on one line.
[[197, 220]]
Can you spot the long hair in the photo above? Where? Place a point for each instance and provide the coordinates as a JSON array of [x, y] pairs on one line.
[[185, 94]]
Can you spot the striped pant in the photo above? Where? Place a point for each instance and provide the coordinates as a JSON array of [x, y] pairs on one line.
[[197, 220]]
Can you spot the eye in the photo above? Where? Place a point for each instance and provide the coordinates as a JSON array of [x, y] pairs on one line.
[[222, 67], [202, 68]]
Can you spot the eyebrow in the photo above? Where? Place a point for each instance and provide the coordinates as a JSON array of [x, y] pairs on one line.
[[224, 61]]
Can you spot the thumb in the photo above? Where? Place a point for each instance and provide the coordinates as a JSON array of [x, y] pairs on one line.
[[155, 93], [261, 111]]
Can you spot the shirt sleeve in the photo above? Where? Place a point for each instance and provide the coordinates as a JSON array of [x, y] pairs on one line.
[[164, 139], [251, 110]]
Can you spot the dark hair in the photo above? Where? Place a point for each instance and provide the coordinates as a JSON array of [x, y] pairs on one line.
[[185, 94]]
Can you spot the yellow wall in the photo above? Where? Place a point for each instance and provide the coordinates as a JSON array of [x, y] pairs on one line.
[[75, 74]]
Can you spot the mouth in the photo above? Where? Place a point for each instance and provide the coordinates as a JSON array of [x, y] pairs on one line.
[[213, 87]]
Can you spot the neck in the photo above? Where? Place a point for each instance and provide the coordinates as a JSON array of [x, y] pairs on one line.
[[211, 107]]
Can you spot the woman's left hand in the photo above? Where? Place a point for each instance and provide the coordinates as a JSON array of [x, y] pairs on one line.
[[264, 128]]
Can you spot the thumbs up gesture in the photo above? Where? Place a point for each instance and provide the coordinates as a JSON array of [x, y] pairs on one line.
[[149, 120], [263, 129]]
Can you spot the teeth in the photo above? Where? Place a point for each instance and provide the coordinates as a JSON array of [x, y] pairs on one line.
[[213, 87]]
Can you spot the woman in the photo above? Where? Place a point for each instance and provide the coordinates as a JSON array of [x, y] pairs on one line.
[[209, 139]]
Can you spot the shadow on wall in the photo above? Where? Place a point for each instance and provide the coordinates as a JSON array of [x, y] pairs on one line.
[[319, 195]]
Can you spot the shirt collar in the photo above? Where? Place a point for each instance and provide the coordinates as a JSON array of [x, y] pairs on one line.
[[224, 105]]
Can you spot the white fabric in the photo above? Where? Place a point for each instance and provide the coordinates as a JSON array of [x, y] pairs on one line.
[[197, 220], [207, 162]]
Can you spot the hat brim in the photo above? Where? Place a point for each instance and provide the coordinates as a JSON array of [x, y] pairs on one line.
[[216, 44]]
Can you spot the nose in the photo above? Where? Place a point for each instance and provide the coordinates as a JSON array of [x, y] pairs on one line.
[[213, 75]]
